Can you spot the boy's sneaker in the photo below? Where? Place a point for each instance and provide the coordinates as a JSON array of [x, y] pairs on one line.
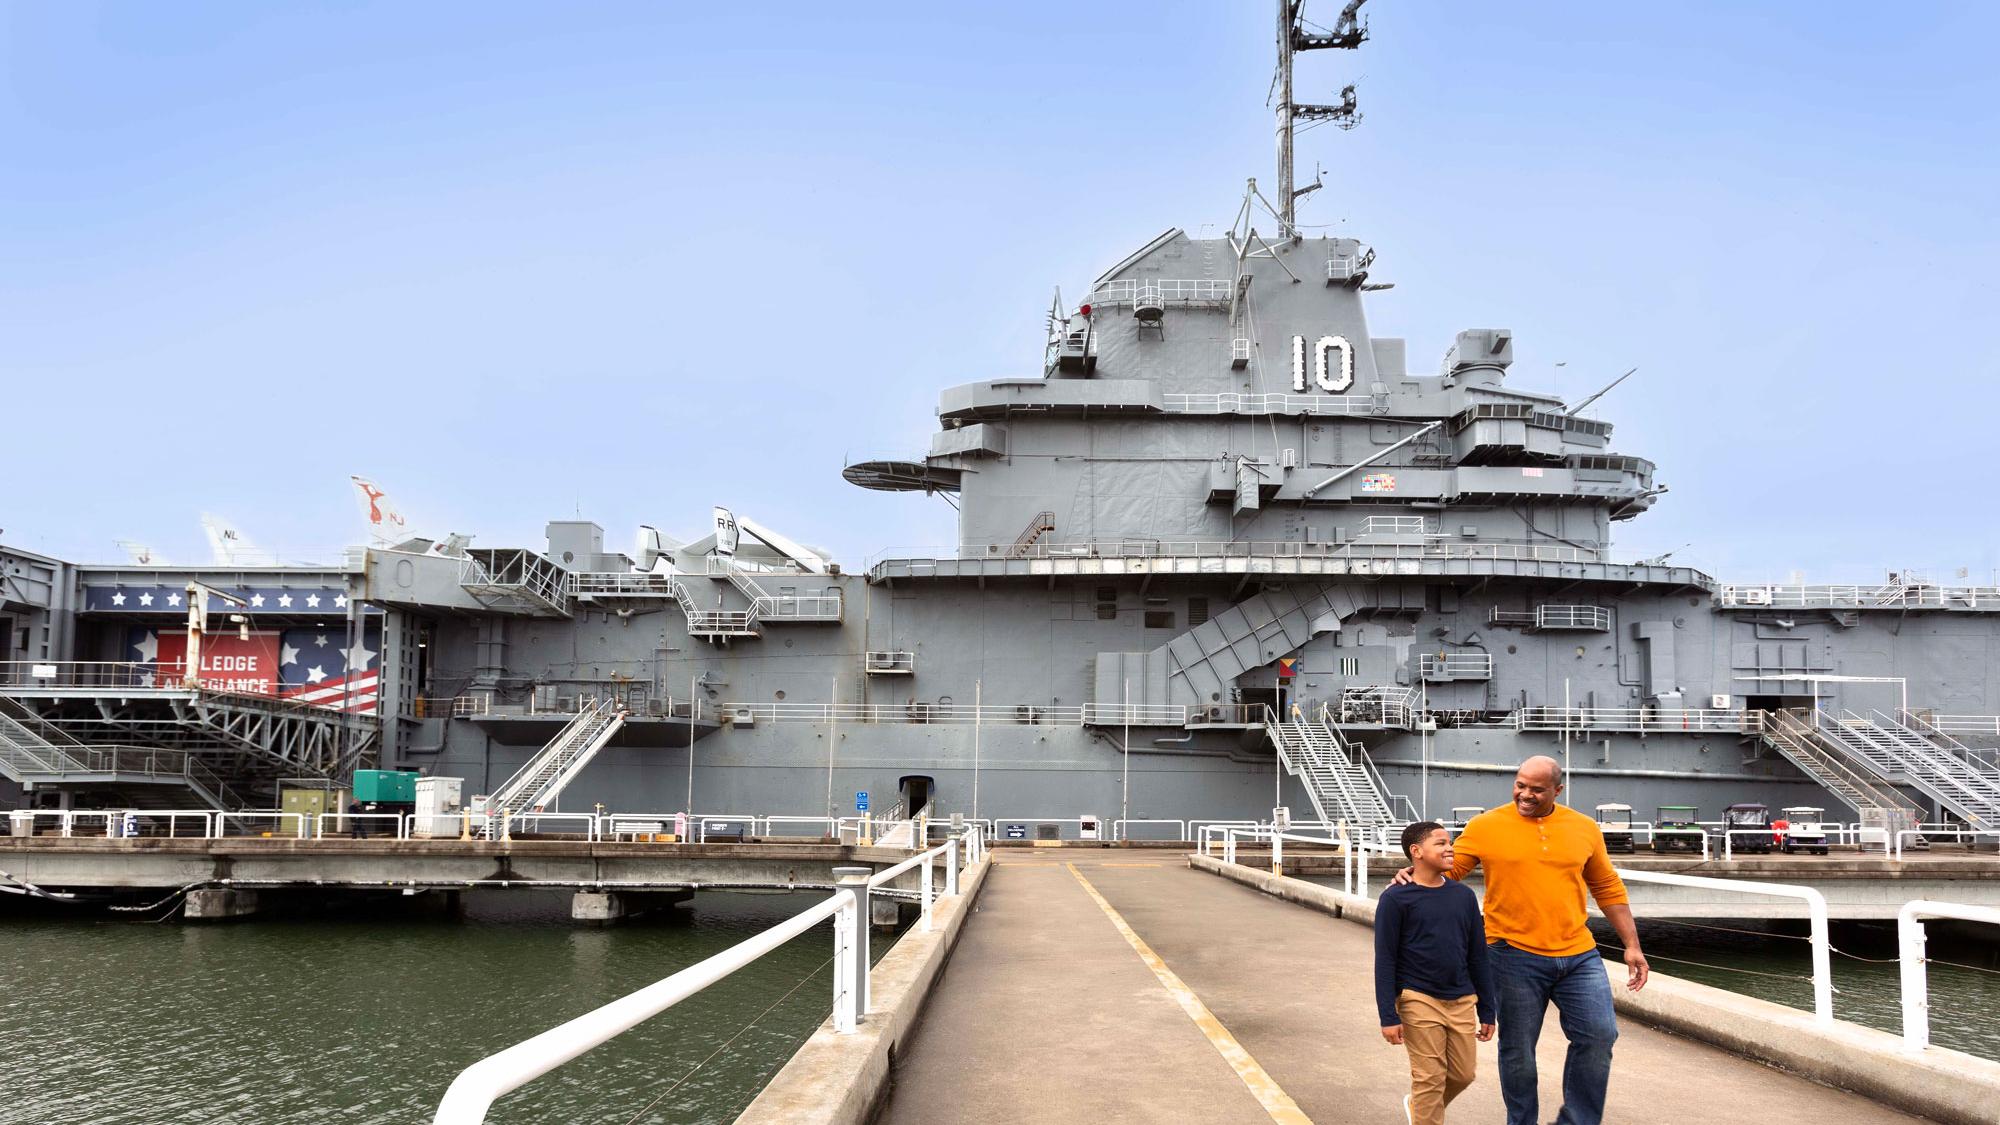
[[1409, 1118]]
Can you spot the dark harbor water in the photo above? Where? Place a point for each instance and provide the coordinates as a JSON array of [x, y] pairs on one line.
[[366, 1017]]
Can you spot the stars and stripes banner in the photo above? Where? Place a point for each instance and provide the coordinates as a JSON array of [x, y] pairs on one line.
[[321, 667], [295, 601], [316, 665], [229, 661]]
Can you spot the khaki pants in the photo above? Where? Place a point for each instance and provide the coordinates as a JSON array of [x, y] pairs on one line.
[[1439, 1037]]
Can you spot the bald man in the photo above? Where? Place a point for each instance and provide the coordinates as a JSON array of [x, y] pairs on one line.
[[1540, 858]]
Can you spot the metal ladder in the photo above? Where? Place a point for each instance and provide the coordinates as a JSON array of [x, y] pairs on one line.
[[1024, 544], [537, 783]]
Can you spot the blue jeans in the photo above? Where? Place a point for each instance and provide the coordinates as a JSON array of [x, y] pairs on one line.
[[1527, 982]]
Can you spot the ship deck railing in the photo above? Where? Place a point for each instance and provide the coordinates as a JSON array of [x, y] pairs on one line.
[[1893, 595], [1235, 402], [483, 705], [90, 678], [988, 714], [1403, 548], [1187, 293], [1640, 720]]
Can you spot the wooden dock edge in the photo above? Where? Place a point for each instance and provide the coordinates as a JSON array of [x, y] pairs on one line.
[[836, 1079], [1941, 1084]]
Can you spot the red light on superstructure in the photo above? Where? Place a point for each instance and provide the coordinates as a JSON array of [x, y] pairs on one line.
[[1083, 310]]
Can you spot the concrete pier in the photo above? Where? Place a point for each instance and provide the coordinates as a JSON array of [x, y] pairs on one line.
[[219, 904], [1098, 985], [449, 865], [605, 908]]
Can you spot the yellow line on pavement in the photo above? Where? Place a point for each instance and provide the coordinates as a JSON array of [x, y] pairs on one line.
[[1262, 1086]]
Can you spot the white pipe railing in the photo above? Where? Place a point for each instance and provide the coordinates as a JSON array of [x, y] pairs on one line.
[[831, 825], [1822, 977], [363, 824], [511, 822], [247, 819], [1768, 834], [472, 1093], [1004, 822], [1118, 827], [722, 820], [1968, 836], [1910, 941]]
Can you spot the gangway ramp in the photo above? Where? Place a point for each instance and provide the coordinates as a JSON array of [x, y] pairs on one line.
[[1048, 1013]]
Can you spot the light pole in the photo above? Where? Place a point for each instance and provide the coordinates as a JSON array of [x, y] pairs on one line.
[[1125, 801], [694, 708]]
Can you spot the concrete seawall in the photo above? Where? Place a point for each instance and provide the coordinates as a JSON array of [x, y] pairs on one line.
[[839, 1079], [1942, 1084]]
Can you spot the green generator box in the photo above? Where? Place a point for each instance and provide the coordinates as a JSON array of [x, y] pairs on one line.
[[390, 787]]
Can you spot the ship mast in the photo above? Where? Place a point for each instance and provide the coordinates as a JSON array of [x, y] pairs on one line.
[[1295, 35]]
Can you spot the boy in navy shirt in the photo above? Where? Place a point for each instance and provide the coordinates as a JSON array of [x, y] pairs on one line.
[[1431, 975]]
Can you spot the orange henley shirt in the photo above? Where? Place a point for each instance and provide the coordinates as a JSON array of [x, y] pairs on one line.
[[1536, 874]]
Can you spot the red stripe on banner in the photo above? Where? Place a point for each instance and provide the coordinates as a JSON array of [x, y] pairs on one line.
[[330, 689]]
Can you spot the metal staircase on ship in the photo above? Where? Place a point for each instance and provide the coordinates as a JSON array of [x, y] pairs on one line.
[[34, 751], [536, 784], [1792, 735], [1335, 779], [1927, 760]]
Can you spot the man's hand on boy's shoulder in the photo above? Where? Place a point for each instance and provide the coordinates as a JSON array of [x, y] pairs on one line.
[[1393, 1034], [1403, 877], [1485, 1032]]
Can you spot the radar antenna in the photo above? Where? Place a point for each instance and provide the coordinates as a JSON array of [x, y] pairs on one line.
[[1295, 34]]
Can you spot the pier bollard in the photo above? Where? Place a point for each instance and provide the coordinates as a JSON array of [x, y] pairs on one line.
[[465, 826], [856, 879], [1277, 852]]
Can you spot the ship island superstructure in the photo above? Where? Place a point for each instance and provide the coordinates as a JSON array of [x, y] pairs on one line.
[[1227, 551]]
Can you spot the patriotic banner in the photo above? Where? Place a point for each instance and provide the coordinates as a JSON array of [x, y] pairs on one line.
[[310, 665], [320, 667], [155, 600], [228, 661]]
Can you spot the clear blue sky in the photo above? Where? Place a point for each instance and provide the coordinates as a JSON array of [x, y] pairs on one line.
[[516, 261]]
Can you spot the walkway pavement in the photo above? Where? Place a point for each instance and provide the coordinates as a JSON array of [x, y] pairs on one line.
[[1124, 987]]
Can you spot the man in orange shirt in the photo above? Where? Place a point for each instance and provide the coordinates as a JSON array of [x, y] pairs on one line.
[[1540, 858]]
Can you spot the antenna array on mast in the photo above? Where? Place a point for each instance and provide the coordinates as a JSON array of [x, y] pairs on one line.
[[1295, 34]]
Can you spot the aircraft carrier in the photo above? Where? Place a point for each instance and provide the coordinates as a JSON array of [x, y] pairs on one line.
[[1226, 551]]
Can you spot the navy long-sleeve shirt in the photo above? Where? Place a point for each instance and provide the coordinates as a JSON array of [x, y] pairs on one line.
[[1432, 940]]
